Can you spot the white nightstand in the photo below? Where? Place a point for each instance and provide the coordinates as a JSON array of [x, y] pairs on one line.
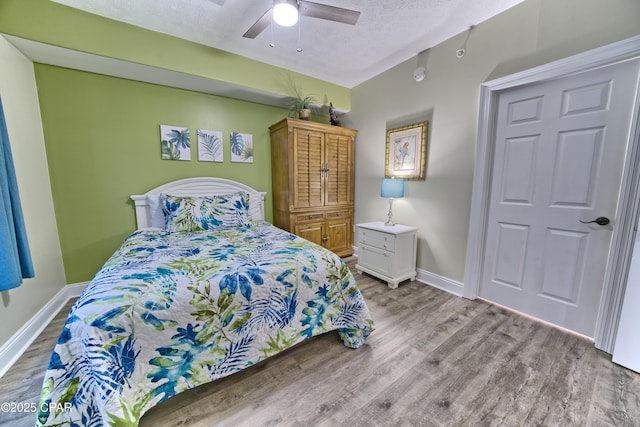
[[387, 251]]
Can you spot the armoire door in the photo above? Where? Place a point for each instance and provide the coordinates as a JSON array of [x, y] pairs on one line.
[[560, 146], [308, 159], [339, 232], [339, 169], [313, 232]]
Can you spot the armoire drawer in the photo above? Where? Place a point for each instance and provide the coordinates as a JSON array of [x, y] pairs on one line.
[[308, 217], [338, 214]]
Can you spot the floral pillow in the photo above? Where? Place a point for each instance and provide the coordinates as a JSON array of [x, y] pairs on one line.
[[205, 213]]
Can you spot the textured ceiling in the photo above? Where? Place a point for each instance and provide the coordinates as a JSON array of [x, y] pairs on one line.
[[387, 33]]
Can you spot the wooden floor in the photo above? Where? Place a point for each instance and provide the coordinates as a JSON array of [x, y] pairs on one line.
[[433, 360]]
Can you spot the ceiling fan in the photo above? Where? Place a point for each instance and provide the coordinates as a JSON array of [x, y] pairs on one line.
[[290, 9]]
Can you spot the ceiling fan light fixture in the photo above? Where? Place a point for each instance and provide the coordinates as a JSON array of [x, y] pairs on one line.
[[285, 13]]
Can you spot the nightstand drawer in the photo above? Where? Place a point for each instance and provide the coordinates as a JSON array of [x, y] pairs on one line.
[[375, 259], [377, 239]]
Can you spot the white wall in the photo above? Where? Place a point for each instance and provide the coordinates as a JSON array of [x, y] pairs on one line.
[[22, 114], [530, 34]]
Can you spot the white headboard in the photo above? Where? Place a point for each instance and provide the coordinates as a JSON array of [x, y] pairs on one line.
[[148, 209]]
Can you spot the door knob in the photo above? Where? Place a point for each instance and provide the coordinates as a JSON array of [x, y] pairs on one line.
[[603, 220]]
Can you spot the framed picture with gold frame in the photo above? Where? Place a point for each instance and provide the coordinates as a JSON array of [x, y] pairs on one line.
[[406, 152]]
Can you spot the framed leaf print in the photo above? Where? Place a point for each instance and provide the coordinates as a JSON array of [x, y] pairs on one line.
[[175, 143], [210, 146], [406, 152], [241, 147]]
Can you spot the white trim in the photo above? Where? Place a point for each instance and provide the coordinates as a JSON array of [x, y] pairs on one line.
[[11, 351], [480, 194], [595, 58], [622, 243], [611, 301], [440, 282], [74, 290]]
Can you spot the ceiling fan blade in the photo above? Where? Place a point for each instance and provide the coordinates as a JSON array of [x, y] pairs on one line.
[[259, 26], [330, 13]]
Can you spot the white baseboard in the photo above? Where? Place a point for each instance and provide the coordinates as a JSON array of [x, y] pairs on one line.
[[11, 351], [440, 282]]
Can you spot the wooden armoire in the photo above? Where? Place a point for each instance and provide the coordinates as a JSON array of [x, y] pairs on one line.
[[312, 181]]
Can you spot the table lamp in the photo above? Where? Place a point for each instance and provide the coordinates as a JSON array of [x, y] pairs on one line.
[[392, 188]]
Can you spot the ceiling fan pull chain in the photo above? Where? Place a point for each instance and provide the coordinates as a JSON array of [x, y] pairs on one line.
[[299, 48], [272, 44]]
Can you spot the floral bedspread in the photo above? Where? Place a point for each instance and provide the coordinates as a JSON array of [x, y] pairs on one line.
[[170, 311]]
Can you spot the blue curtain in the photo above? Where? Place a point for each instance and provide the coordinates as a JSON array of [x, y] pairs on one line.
[[15, 258]]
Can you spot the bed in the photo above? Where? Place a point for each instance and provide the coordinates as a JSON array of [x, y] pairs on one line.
[[202, 289]]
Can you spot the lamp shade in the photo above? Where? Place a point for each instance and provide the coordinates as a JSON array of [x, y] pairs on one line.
[[285, 13], [392, 188]]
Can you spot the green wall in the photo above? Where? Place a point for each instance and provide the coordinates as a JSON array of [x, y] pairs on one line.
[[102, 137]]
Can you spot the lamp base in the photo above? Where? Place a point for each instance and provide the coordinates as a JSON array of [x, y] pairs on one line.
[[389, 223]]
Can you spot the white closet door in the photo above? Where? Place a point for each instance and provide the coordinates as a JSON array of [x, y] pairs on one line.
[[559, 153]]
